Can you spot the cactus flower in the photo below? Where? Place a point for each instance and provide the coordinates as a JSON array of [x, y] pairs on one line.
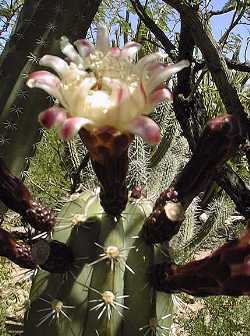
[[99, 87]]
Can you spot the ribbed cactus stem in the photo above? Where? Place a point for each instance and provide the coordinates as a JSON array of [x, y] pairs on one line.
[[218, 142], [72, 287], [107, 279]]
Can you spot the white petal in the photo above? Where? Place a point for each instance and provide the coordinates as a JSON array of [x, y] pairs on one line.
[[46, 81], [81, 93], [68, 50], [153, 70], [145, 128], [96, 108], [159, 95], [119, 90], [135, 105], [102, 40], [145, 61], [84, 47], [55, 63], [72, 126], [130, 50], [160, 77]]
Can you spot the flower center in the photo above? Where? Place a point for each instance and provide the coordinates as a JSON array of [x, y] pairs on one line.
[[111, 67]]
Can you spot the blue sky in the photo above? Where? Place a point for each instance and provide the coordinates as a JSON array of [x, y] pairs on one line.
[[221, 22], [219, 25]]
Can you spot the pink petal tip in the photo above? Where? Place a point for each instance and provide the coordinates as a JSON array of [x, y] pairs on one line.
[[145, 128], [52, 117]]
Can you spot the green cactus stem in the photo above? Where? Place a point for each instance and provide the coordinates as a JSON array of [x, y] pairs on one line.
[[99, 295], [225, 272], [218, 142]]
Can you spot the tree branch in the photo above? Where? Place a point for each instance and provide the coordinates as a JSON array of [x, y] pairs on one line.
[[215, 61], [233, 23], [158, 33], [221, 11], [183, 108], [233, 65], [192, 117]]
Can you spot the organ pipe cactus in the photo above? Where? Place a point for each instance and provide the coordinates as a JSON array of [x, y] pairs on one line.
[[100, 274], [107, 277]]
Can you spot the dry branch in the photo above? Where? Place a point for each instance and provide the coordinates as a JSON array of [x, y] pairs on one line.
[[215, 61]]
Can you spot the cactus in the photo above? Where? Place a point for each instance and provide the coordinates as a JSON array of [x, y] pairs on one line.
[[97, 270], [107, 279]]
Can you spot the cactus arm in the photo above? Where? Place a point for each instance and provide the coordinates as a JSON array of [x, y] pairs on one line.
[[218, 142], [72, 288], [223, 272]]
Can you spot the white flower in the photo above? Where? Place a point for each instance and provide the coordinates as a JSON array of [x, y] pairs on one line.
[[104, 87]]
